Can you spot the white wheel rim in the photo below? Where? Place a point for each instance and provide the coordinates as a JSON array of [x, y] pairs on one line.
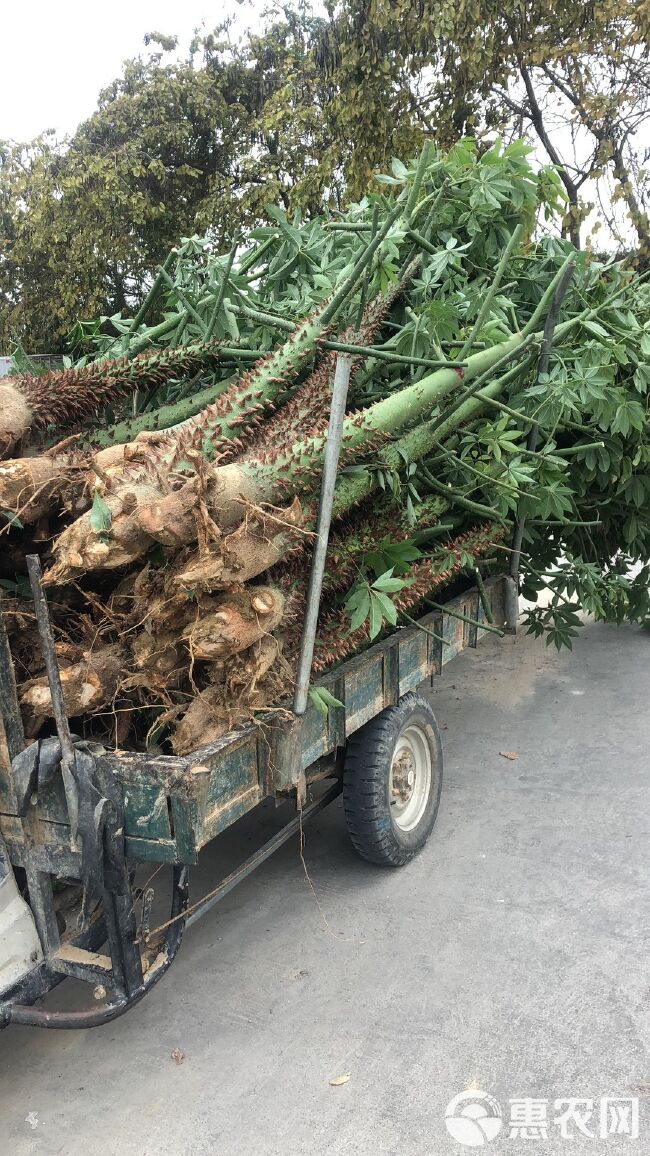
[[410, 777]]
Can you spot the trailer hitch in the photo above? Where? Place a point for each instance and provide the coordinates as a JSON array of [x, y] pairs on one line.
[[17, 1006]]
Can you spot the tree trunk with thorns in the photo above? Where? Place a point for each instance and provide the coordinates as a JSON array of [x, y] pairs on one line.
[[177, 530]]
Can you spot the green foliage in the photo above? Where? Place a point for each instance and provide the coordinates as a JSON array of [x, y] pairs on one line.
[[20, 587], [100, 516], [461, 432], [323, 700], [560, 624], [585, 488], [370, 602], [392, 557], [86, 221], [616, 593]]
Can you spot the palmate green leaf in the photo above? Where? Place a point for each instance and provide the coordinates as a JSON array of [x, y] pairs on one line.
[[328, 697], [642, 378], [384, 179], [635, 491], [20, 587], [631, 529], [387, 584], [357, 605], [559, 622], [376, 616], [388, 608], [559, 638], [314, 696], [597, 329], [394, 556], [517, 473], [629, 415], [372, 603]]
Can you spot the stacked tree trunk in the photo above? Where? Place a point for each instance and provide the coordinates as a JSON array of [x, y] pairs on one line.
[[177, 537]]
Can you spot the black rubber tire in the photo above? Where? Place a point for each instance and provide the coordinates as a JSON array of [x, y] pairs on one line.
[[366, 784]]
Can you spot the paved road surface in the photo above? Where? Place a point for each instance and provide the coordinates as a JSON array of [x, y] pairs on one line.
[[510, 956]]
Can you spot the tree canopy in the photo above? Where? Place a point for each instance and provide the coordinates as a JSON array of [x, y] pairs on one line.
[[206, 143]]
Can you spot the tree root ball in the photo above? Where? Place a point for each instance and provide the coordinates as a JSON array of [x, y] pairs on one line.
[[79, 547], [87, 686], [171, 520], [31, 487], [205, 720], [263, 538], [15, 416], [238, 620]]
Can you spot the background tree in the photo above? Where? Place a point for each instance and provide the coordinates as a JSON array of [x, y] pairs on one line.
[[206, 143], [85, 222], [577, 78], [574, 77]]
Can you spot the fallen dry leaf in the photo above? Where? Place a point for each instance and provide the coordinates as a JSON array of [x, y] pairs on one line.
[[178, 1055], [340, 1080], [509, 755]]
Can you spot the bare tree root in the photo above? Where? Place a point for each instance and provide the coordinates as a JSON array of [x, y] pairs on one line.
[[226, 492], [264, 537], [240, 619], [232, 699], [79, 547], [87, 685], [32, 488], [16, 416]]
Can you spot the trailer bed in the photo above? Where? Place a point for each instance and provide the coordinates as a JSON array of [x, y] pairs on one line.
[[164, 809], [174, 806]]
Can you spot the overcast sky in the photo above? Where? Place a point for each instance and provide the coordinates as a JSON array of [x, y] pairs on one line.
[[56, 56]]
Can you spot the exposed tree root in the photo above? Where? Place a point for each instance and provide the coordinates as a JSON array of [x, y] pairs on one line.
[[226, 491], [232, 699], [255, 664], [16, 416], [79, 547], [264, 537], [238, 620], [88, 685], [32, 488]]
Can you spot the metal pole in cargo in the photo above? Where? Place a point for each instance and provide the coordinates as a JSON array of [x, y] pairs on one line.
[[330, 465]]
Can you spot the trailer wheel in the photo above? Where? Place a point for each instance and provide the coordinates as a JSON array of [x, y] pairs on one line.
[[392, 781]]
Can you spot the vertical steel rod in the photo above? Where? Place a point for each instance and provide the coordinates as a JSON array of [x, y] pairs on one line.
[[330, 464], [9, 705], [56, 691]]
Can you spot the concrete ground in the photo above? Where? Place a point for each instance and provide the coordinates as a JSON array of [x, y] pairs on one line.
[[510, 956]]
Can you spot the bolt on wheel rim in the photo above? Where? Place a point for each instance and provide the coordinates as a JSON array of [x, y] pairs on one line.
[[410, 778]]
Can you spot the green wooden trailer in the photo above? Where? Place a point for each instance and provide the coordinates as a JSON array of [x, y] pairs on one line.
[[75, 822]]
